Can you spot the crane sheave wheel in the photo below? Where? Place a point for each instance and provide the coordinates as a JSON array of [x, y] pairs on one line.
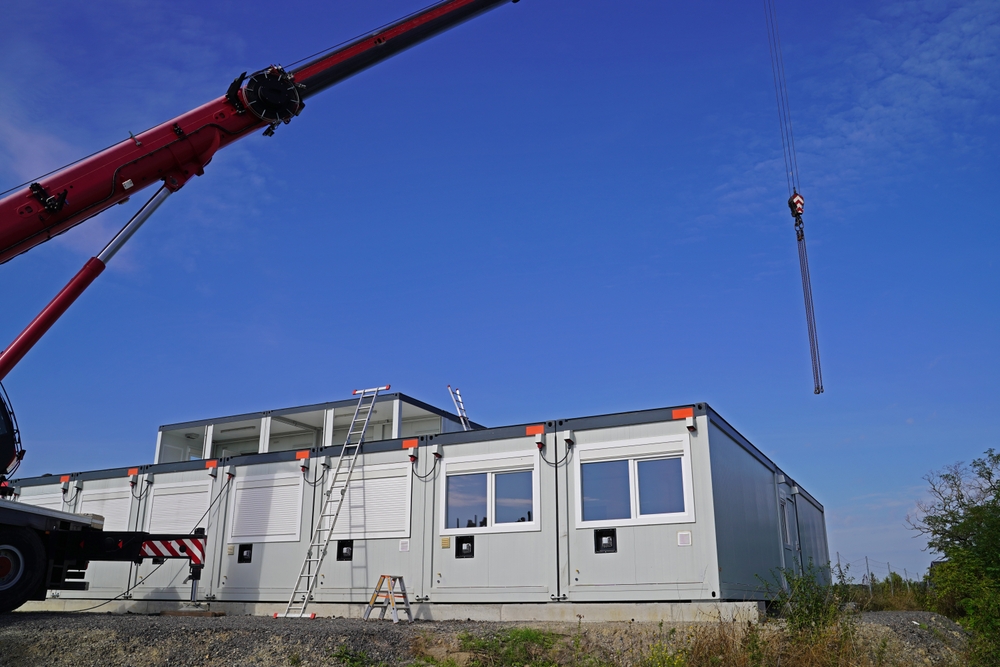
[[22, 566], [272, 95]]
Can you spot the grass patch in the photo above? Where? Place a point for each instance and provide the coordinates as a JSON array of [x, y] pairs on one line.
[[843, 641], [350, 658], [513, 647]]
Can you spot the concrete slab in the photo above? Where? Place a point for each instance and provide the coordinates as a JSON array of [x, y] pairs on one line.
[[561, 612]]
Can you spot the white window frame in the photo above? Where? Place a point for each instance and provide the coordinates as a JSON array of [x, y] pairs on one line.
[[190, 486], [785, 520], [254, 481], [378, 469], [492, 464], [634, 450]]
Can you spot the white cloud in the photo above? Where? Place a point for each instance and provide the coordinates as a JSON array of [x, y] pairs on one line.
[[913, 80]]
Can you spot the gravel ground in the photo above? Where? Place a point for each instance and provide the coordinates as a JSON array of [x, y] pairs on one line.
[[104, 639], [38, 638], [933, 638]]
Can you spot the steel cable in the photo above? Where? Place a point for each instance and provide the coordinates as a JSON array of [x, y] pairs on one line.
[[792, 181]]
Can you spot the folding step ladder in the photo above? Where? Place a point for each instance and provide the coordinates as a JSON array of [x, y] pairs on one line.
[[320, 541], [456, 398], [387, 598]]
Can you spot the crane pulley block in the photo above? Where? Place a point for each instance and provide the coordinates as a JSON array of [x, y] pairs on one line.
[[797, 204]]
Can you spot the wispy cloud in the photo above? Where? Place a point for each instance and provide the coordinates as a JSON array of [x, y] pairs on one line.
[[29, 152], [874, 525], [166, 68], [918, 75], [913, 79]]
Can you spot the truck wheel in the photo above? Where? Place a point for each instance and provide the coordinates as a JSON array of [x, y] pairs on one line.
[[22, 566]]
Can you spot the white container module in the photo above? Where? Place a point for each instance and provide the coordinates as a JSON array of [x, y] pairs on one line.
[[662, 505]]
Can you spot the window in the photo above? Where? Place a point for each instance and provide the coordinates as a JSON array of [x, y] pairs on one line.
[[661, 487], [466, 501], [495, 494], [786, 530], [512, 491], [640, 481], [50, 501], [114, 505], [605, 490], [178, 507], [376, 504], [267, 508]]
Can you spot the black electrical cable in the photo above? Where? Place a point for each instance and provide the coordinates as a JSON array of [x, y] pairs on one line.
[[155, 569], [142, 494], [319, 481], [424, 478], [124, 593], [558, 463]]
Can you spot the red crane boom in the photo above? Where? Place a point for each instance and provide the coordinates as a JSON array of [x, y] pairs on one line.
[[180, 148], [173, 152]]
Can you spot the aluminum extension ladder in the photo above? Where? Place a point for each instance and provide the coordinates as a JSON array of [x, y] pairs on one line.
[[456, 398], [332, 506], [387, 598]]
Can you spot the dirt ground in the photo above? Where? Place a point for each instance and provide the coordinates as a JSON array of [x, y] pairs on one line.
[[38, 638]]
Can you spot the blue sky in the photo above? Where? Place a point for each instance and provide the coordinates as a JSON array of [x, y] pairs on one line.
[[563, 208]]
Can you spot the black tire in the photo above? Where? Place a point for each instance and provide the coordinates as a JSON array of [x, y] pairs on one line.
[[22, 566]]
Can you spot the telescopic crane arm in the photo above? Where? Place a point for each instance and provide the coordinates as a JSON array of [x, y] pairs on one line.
[[182, 147], [172, 153]]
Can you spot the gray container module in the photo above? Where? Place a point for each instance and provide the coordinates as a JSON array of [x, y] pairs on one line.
[[670, 504]]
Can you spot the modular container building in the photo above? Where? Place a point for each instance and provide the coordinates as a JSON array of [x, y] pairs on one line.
[[668, 505]]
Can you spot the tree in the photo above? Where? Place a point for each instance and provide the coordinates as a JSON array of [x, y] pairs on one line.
[[962, 522]]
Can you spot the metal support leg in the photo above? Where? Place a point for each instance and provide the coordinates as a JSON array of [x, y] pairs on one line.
[[195, 578], [133, 225], [81, 281]]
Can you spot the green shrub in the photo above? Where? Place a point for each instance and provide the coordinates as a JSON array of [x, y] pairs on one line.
[[661, 655], [806, 601], [962, 521]]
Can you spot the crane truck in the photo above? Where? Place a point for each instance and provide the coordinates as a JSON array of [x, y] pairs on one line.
[[43, 549]]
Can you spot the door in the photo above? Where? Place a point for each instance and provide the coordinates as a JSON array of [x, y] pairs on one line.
[[790, 533]]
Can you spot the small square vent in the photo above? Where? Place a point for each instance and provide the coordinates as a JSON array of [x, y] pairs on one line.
[[684, 538]]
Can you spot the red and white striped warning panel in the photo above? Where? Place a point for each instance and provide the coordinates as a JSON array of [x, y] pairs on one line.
[[193, 548], [797, 203]]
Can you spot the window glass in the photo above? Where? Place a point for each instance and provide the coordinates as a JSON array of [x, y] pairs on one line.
[[786, 532], [512, 492], [465, 501], [605, 490], [661, 489]]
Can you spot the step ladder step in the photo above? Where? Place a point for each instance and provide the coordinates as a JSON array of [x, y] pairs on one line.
[[393, 597]]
